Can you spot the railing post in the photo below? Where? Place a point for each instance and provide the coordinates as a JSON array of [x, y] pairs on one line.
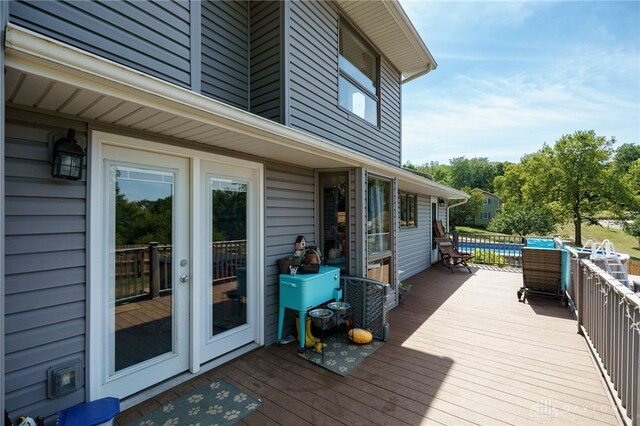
[[154, 270], [455, 237], [579, 293]]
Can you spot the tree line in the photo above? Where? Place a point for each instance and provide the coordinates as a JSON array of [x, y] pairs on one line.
[[575, 180]]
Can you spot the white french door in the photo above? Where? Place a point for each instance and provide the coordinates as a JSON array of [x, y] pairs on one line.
[[143, 304], [176, 261], [228, 212]]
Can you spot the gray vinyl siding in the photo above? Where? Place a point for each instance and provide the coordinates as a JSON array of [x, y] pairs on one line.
[[265, 59], [45, 240], [149, 36], [414, 244], [289, 212], [225, 52], [314, 87]]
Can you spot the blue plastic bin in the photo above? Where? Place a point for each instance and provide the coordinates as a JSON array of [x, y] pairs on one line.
[[94, 413]]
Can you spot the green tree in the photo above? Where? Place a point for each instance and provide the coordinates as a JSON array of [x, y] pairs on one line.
[[436, 171], [468, 210], [472, 172], [571, 178], [508, 186], [632, 180], [523, 219], [633, 229], [626, 154]]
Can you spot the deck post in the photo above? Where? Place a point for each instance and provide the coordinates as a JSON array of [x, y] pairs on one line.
[[154, 270]]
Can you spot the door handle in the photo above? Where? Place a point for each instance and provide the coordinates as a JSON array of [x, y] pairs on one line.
[[184, 278]]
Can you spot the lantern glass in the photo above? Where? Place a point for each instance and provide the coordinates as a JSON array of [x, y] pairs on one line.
[[68, 166]]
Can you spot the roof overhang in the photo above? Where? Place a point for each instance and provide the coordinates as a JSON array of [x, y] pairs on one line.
[[45, 74], [388, 27]]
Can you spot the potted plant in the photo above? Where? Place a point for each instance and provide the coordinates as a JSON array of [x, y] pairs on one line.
[[403, 290]]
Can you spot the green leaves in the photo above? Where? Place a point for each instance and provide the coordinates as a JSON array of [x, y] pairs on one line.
[[523, 219], [468, 210]]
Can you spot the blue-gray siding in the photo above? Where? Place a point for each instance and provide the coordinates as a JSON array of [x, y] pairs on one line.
[[150, 36], [289, 212], [414, 244], [265, 59], [225, 51], [45, 268], [314, 87]]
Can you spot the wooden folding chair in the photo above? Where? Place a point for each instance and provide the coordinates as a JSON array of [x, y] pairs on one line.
[[450, 256]]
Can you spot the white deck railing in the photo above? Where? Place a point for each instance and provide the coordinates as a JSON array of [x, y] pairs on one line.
[[609, 319]]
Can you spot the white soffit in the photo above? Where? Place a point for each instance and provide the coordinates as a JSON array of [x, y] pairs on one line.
[[49, 75], [388, 27]]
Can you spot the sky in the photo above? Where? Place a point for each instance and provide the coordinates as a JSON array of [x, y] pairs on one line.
[[513, 75]]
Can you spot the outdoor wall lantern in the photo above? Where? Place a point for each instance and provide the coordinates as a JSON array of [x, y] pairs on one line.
[[441, 202], [68, 158]]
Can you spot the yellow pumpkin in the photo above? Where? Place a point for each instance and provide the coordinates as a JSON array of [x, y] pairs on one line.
[[360, 336]]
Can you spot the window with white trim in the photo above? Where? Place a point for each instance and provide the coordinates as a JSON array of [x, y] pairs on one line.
[[408, 210], [358, 80]]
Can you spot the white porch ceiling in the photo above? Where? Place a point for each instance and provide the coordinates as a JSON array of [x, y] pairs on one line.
[[23, 89]]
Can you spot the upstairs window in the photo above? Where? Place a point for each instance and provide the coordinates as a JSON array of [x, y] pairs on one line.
[[358, 82], [408, 210]]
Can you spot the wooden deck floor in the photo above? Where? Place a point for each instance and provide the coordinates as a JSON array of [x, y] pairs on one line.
[[462, 350]]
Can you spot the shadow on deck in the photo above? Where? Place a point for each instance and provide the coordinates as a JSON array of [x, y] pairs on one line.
[[462, 350]]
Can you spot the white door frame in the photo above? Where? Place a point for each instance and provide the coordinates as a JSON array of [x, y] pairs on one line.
[[97, 139]]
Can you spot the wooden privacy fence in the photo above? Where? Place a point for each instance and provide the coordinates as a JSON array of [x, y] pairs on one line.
[[146, 271], [633, 267], [609, 319]]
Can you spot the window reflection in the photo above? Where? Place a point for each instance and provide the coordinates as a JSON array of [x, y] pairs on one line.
[[228, 254]]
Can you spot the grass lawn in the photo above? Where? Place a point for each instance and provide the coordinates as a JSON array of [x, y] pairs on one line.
[[623, 242]]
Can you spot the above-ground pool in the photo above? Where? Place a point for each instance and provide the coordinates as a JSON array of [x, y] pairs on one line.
[[502, 248]]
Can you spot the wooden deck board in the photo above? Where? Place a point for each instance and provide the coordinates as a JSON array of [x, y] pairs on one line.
[[462, 350]]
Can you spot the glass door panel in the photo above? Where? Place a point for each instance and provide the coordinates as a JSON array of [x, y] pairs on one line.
[[227, 254], [141, 252], [379, 232], [141, 300], [379, 217], [229, 221]]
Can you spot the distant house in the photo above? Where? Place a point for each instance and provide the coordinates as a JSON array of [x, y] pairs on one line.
[[193, 142], [490, 207]]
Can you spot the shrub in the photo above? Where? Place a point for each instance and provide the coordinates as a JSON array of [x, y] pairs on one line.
[[487, 257]]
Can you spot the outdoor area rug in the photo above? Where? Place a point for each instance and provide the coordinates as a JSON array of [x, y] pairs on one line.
[[217, 403], [341, 356]]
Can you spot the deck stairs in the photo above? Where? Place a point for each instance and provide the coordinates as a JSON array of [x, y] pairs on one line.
[[604, 255]]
